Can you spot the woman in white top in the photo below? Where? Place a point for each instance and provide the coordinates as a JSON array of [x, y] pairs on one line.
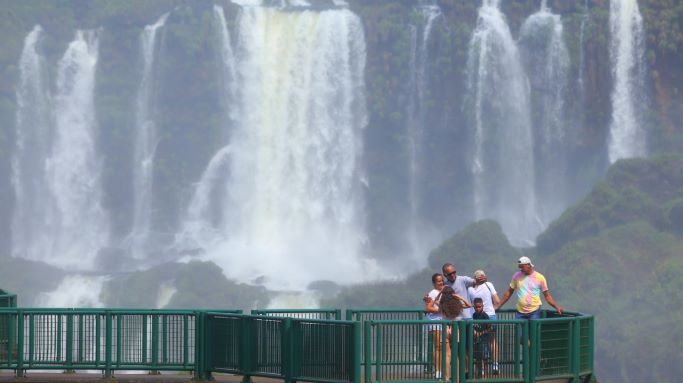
[[431, 300], [485, 291]]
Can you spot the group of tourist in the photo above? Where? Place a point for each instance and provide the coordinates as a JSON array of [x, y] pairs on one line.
[[459, 297]]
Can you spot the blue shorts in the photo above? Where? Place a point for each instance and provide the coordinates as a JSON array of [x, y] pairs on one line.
[[532, 315]]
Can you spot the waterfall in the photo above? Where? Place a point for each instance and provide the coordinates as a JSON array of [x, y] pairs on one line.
[[75, 291], [78, 224], [419, 59], [582, 56], [145, 141], [290, 206], [546, 57], [627, 49], [29, 221], [202, 222], [228, 65], [498, 107], [202, 225]]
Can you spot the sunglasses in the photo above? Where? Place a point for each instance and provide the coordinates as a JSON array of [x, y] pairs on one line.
[[451, 273]]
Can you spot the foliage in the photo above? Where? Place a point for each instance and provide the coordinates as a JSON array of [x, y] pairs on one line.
[[631, 272], [633, 190]]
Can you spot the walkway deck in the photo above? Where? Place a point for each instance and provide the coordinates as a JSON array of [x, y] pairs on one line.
[[96, 377], [83, 377]]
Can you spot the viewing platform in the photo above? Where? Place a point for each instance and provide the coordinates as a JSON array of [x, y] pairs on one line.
[[317, 345]]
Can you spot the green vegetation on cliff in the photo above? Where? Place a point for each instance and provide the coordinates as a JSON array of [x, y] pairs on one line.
[[634, 189]]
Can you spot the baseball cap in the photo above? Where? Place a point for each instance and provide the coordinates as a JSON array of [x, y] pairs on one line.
[[525, 261]]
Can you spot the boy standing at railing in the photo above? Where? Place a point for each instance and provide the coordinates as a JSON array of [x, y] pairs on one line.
[[483, 334]]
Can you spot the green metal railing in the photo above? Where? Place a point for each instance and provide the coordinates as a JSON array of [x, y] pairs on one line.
[[281, 347], [105, 339], [365, 315], [390, 345], [504, 350]]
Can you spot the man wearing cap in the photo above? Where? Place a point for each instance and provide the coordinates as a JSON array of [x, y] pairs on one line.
[[529, 285]]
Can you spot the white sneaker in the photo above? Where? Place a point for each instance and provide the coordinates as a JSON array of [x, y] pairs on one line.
[[437, 375]]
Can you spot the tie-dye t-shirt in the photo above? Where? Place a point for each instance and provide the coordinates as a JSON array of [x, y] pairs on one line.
[[528, 289]]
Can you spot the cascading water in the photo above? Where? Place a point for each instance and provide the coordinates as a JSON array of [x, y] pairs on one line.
[[202, 225], [145, 141], [498, 105], [291, 210], [74, 291], [78, 225], [545, 55], [417, 89], [627, 48], [582, 57], [29, 221], [229, 73]]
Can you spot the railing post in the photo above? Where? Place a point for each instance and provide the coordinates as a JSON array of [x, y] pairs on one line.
[[462, 343], [287, 350], [186, 339], [199, 342], [526, 366], [378, 352], [575, 333], [367, 352], [155, 341], [119, 338], [357, 350], [534, 348], [19, 372], [31, 338], [591, 343], [69, 339], [10, 339], [108, 344], [202, 341], [245, 348]]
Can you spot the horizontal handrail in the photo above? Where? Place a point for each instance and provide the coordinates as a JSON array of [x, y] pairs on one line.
[[324, 313]]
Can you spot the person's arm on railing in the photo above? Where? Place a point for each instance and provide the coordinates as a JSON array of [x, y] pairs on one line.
[[551, 301]]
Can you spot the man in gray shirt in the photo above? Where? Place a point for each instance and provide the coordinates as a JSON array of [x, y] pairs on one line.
[[459, 284]]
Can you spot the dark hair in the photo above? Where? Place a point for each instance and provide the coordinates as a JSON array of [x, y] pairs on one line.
[[436, 275], [445, 266], [477, 300], [450, 306]]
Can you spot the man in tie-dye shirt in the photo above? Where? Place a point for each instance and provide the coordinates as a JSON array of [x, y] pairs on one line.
[[528, 284]]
